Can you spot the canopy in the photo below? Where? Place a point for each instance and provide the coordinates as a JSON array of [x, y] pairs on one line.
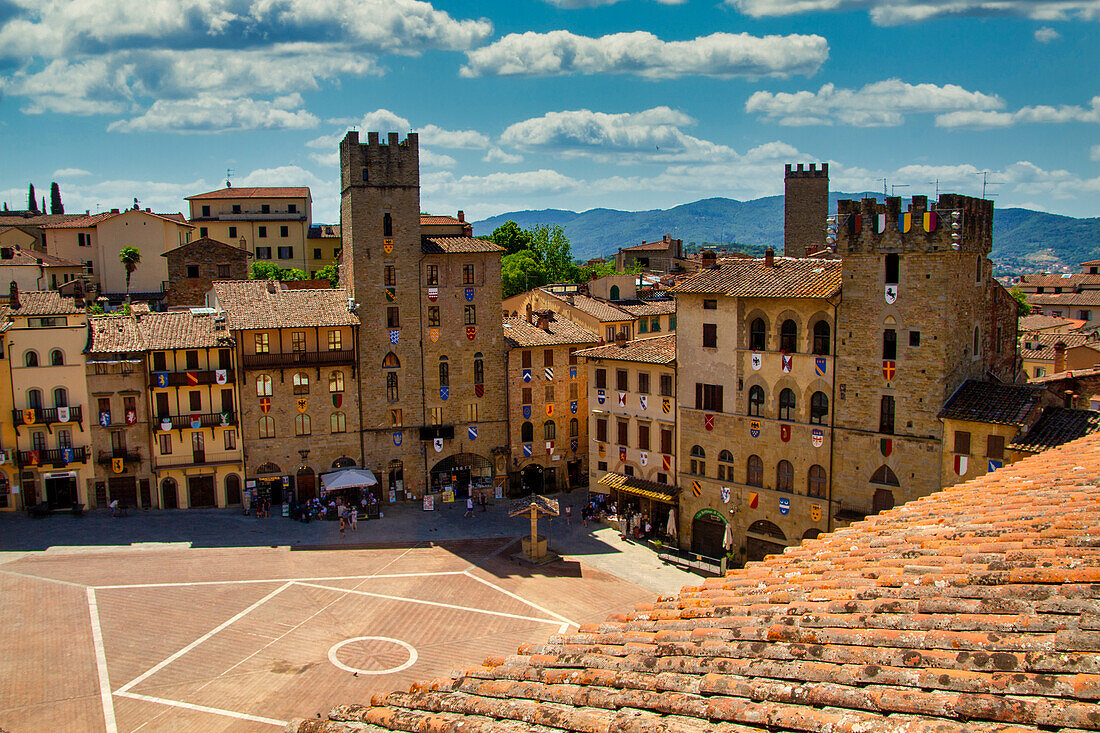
[[347, 478]]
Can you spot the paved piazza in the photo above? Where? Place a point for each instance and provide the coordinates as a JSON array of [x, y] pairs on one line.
[[155, 637]]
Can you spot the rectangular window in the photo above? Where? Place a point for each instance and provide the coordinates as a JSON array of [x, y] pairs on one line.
[[601, 466], [191, 359], [468, 274], [525, 357], [104, 404], [471, 412], [643, 325], [204, 232], [160, 361], [286, 253], [317, 253], [962, 441], [710, 305], [622, 380], [573, 390], [666, 440], [393, 319], [335, 340], [469, 315], [526, 394], [433, 315], [263, 345], [297, 341], [643, 382], [886, 415], [914, 338], [284, 232], [995, 447], [549, 393], [623, 428], [232, 232], [292, 208], [666, 385], [162, 404], [223, 272], [708, 397], [609, 334], [237, 209], [165, 441], [601, 430], [206, 211], [548, 357], [628, 470], [435, 416], [601, 379], [194, 401], [433, 275], [129, 403], [654, 324], [261, 232], [672, 323], [229, 438], [889, 344], [710, 335], [263, 253], [192, 271], [227, 399], [572, 354], [643, 436], [390, 274]]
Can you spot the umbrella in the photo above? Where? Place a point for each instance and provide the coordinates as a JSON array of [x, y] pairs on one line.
[[671, 529], [727, 541]]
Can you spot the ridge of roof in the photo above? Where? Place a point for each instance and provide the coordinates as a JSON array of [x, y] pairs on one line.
[[248, 192], [251, 304]]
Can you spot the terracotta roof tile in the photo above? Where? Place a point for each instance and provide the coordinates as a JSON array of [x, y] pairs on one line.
[[114, 334], [184, 329], [1058, 426], [1040, 345], [255, 192], [252, 304], [659, 245], [34, 258], [1066, 280], [651, 308], [602, 310], [457, 245], [1040, 322], [751, 278], [91, 220], [659, 350], [991, 402], [520, 333], [972, 609], [318, 231], [1044, 300], [44, 303], [430, 220], [208, 244]]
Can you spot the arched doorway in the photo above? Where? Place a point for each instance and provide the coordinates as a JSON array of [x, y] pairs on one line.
[[169, 494], [532, 479], [232, 489], [708, 533], [305, 482], [811, 534], [269, 483], [614, 293], [343, 462], [461, 473], [763, 544]]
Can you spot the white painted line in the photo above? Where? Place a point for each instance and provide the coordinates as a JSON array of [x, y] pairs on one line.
[[413, 656], [204, 709], [432, 603], [48, 580], [521, 599], [201, 639], [101, 666], [258, 580]]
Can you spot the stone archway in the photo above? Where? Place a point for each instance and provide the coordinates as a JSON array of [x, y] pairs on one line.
[[708, 533], [768, 540], [462, 473]]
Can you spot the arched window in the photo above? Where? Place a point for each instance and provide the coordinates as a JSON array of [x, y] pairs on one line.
[[816, 482], [34, 398], [61, 397], [893, 269], [725, 466], [336, 381], [819, 407], [301, 383], [390, 361], [393, 394], [698, 460], [263, 385], [574, 427], [526, 432], [757, 335], [977, 342], [302, 424], [763, 526], [614, 292], [267, 427], [754, 473], [479, 368], [788, 337], [787, 404], [756, 400], [444, 372], [784, 477], [338, 423], [30, 358], [549, 430], [883, 475], [821, 338], [387, 225], [57, 358]]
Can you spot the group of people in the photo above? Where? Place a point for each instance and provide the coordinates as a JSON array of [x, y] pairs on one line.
[[260, 507]]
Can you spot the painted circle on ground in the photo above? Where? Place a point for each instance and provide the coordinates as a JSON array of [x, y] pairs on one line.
[[369, 646]]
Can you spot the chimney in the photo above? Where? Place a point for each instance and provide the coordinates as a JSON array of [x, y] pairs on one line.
[[1059, 357], [769, 255], [461, 215], [78, 293], [530, 317], [544, 321], [114, 211], [13, 296], [620, 338], [708, 259], [1067, 399]]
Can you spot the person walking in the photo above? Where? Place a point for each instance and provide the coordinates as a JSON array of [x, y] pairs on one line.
[[569, 514], [343, 525], [469, 507], [354, 519]]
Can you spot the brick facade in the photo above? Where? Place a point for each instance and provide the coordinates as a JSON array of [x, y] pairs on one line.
[[193, 268], [805, 208]]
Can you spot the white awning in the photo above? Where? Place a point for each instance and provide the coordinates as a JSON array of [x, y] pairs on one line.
[[347, 478]]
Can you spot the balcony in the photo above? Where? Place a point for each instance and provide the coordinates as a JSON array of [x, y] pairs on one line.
[[46, 416], [300, 358], [189, 378], [52, 457], [186, 460], [127, 455], [206, 420]]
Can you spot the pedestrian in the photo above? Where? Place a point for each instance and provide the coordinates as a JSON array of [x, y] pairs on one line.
[[469, 507], [484, 501], [585, 511], [354, 519], [343, 525], [569, 515]]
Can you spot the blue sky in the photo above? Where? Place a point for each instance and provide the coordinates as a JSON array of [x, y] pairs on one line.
[[532, 104]]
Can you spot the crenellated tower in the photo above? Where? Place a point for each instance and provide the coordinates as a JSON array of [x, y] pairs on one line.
[[805, 208]]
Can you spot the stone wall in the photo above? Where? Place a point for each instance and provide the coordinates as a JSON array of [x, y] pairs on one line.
[[207, 255], [805, 208]]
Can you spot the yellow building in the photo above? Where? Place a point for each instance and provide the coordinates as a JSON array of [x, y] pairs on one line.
[[46, 338], [10, 498], [1045, 353], [196, 455], [270, 222], [604, 318]]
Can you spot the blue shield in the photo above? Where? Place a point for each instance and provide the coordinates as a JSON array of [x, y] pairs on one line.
[[67, 455], [526, 412], [527, 450], [820, 366], [104, 419], [196, 422], [600, 396], [994, 465], [573, 407], [444, 393], [784, 506], [526, 375], [397, 438], [472, 432], [469, 293], [161, 379], [573, 444], [395, 335], [572, 372]]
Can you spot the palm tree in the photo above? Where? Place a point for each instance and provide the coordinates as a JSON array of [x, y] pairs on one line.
[[130, 257]]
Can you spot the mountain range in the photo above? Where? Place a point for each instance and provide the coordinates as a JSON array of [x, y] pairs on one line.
[[1024, 240]]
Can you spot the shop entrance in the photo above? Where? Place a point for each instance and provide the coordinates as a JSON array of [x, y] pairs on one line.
[[532, 477], [576, 478], [270, 489], [61, 490], [169, 494], [708, 532], [462, 473], [200, 491], [123, 489]]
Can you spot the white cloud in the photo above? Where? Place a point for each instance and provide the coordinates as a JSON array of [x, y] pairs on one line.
[[212, 114], [895, 12], [722, 55], [1039, 113], [653, 134], [573, 4], [1094, 153], [496, 155], [383, 121], [70, 172], [883, 103], [1046, 35]]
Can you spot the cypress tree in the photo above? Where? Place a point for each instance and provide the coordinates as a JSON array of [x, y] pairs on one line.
[[32, 204], [56, 207]]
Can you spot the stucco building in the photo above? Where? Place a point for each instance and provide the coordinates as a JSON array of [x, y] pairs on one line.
[[603, 317], [36, 270]]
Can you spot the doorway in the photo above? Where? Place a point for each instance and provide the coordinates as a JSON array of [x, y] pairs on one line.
[[462, 473], [200, 491], [708, 532], [305, 482], [169, 494], [532, 479], [60, 491], [123, 489], [575, 476]]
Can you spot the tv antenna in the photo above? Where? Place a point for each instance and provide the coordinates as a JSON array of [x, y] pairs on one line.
[[937, 183], [883, 185], [986, 182], [228, 177], [895, 186]]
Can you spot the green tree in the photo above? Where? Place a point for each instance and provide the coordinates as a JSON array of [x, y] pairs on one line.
[[56, 207], [552, 248], [520, 272], [509, 236], [293, 274], [271, 271], [1023, 308], [130, 257], [32, 200], [331, 273]]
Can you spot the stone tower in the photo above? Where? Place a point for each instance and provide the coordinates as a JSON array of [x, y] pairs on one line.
[[805, 208], [380, 260], [920, 314]]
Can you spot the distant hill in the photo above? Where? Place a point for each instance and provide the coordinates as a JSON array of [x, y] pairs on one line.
[[1023, 239]]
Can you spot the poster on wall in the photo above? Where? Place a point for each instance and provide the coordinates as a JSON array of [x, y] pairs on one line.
[[429, 503], [393, 495]]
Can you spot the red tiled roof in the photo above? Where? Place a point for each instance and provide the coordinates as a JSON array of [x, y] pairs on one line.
[[430, 220], [44, 303], [90, 220], [1045, 343], [1057, 426], [1061, 280], [520, 333], [602, 310], [255, 192], [183, 329], [751, 278], [457, 245], [1085, 297], [114, 334], [658, 350], [651, 308], [34, 258], [973, 609], [252, 304], [650, 246], [1040, 322], [991, 402]]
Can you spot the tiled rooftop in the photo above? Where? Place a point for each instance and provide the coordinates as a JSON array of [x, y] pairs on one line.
[[659, 350], [44, 303], [114, 334], [256, 192], [602, 310], [1058, 426], [1037, 345], [183, 329], [208, 243], [559, 331], [1045, 300], [751, 278], [252, 304], [991, 402], [457, 245], [652, 308], [431, 220], [975, 609], [1041, 322], [34, 258], [1067, 280], [91, 220]]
